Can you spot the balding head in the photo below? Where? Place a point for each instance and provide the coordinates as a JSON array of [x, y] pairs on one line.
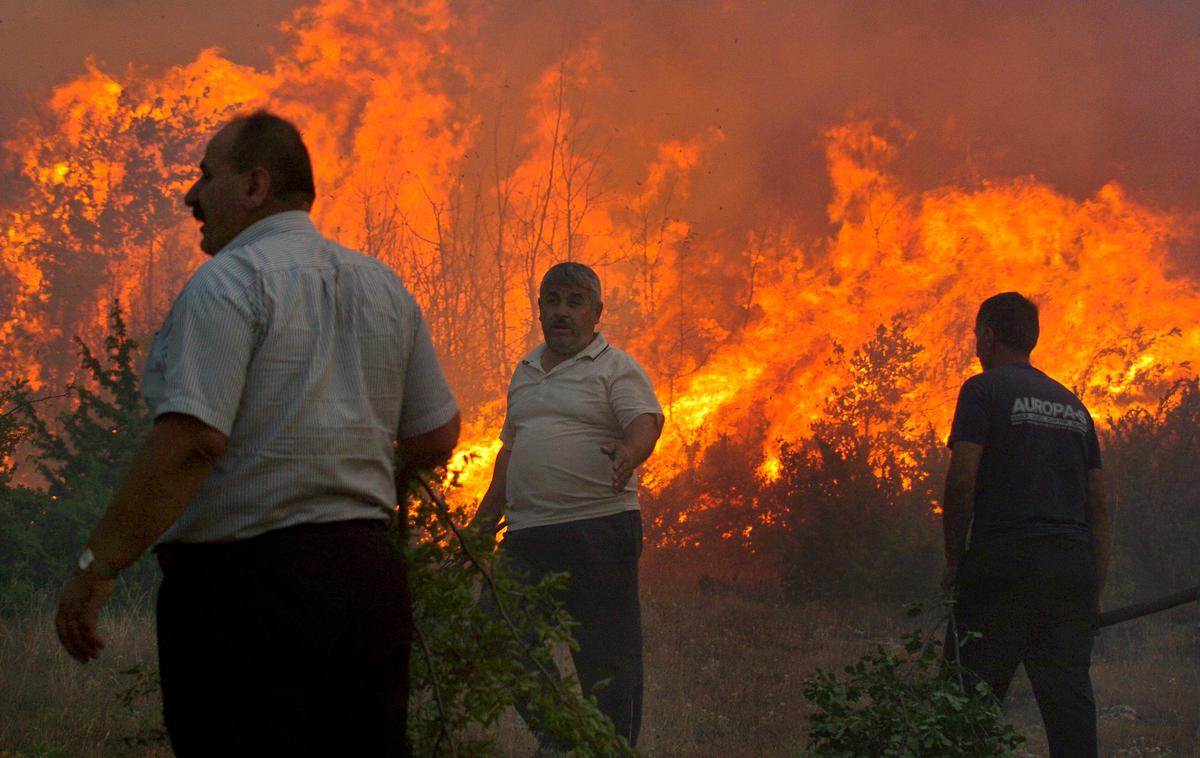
[[264, 140]]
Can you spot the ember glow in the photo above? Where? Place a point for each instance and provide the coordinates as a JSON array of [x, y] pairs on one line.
[[471, 179]]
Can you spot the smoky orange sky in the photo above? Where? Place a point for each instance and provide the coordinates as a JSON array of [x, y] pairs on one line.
[[1075, 94]]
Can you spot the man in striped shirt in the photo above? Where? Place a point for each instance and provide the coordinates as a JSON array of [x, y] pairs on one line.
[[283, 376]]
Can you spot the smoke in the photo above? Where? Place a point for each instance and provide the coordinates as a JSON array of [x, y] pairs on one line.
[[1074, 94], [45, 43]]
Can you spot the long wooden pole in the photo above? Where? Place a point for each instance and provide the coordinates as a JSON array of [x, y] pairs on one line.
[[1108, 618]]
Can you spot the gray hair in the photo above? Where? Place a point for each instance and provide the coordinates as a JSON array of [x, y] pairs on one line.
[[572, 274]]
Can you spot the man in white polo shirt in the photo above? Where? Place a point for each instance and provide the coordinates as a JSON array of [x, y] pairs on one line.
[[582, 416], [286, 372]]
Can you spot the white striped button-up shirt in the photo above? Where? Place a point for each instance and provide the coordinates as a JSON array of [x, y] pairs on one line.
[[311, 358]]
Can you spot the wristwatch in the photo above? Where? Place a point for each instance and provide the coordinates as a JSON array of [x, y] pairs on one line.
[[88, 562]]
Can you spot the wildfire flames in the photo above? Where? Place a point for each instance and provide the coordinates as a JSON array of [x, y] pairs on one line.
[[471, 187]]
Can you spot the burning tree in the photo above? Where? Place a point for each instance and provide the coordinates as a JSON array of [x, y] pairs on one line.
[[470, 177], [859, 493]]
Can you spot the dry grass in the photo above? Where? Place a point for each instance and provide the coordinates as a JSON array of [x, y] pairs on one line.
[[724, 678], [52, 706]]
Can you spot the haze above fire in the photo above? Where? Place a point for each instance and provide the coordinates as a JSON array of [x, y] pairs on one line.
[[1075, 94]]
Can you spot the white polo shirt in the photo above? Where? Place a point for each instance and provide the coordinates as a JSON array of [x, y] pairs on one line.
[[556, 423], [312, 359]]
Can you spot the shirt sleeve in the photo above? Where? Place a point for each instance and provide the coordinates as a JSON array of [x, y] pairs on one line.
[[506, 434], [970, 414], [630, 393], [209, 342], [428, 400]]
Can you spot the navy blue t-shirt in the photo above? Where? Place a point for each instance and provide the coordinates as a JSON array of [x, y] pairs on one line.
[[1039, 442]]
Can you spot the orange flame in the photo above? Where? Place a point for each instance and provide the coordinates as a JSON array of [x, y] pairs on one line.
[[471, 189]]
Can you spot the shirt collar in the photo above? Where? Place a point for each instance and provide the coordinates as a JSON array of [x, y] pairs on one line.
[[276, 223], [592, 351]]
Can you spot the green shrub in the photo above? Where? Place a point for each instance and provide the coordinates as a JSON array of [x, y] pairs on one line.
[[905, 701], [470, 665]]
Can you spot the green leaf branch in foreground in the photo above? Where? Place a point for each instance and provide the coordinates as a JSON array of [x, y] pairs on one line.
[[471, 662], [905, 700]]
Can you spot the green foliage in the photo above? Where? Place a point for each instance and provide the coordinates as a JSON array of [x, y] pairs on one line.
[[904, 700], [858, 493], [1150, 463], [13, 429], [21, 553], [82, 457], [96, 439], [482, 644]]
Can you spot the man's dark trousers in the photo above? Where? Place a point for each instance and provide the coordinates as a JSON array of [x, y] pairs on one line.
[[295, 643], [601, 555], [1033, 601]]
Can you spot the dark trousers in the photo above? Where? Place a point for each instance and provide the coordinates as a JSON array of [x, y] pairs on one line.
[[1033, 601], [601, 555], [293, 643]]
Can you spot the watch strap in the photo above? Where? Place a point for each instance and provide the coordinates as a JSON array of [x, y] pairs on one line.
[[89, 562]]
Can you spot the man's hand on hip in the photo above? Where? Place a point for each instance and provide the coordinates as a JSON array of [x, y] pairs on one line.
[[83, 595]]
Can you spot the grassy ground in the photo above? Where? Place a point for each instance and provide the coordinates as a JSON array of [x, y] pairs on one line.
[[724, 677]]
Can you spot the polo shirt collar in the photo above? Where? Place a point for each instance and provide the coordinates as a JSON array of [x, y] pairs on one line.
[[592, 351], [276, 223]]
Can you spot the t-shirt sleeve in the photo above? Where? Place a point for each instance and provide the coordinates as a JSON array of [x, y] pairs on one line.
[[506, 434], [630, 392], [428, 400], [970, 414], [210, 339]]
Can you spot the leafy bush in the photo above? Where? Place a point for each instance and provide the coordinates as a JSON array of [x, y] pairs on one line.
[[469, 665], [905, 701], [81, 457], [858, 494], [21, 553], [1152, 465]]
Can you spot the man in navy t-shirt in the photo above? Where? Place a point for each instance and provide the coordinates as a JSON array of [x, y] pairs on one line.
[[1025, 481]]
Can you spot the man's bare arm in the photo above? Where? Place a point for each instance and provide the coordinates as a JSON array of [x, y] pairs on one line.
[[426, 451], [164, 477], [958, 505], [1101, 529], [638, 443], [491, 507]]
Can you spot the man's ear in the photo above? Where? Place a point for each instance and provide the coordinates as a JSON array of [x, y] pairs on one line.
[[257, 188], [989, 336]]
